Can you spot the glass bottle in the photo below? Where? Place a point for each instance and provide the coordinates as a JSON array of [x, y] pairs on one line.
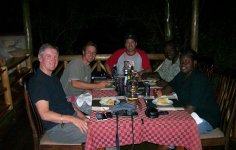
[[114, 72], [126, 76]]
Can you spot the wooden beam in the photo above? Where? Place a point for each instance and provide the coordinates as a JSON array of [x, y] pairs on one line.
[[6, 84], [194, 27]]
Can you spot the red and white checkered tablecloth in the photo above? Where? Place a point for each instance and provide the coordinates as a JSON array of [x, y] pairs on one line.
[[177, 129], [103, 93]]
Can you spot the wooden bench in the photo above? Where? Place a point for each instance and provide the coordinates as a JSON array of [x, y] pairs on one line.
[[225, 89]]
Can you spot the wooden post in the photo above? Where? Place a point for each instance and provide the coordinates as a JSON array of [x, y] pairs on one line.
[[102, 66], [27, 26], [29, 62], [65, 63], [168, 21], [98, 66], [6, 84], [194, 27]]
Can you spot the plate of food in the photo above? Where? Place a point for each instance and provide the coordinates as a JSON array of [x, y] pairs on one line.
[[162, 101], [111, 101]]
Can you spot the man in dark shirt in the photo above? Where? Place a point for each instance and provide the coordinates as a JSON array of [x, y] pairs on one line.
[[47, 94], [195, 92]]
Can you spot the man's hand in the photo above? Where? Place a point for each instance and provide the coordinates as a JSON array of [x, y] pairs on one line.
[[81, 124], [103, 84], [189, 109]]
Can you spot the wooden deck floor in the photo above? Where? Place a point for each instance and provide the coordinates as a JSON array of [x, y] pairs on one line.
[[19, 138]]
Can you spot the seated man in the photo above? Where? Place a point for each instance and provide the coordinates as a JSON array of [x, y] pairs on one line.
[[138, 58], [195, 92], [47, 94], [170, 66], [76, 77]]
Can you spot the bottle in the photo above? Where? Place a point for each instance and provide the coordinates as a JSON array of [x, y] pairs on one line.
[[126, 74], [131, 72], [114, 71]]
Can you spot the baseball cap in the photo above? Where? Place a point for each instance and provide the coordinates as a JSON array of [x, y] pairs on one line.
[[131, 36]]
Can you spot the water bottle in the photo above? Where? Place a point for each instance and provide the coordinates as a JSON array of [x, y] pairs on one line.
[[126, 76]]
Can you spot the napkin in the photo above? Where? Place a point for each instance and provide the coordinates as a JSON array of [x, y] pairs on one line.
[[197, 119], [84, 98]]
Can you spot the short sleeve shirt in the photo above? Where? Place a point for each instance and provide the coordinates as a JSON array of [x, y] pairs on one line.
[[139, 59], [48, 88], [168, 71], [75, 70], [197, 91]]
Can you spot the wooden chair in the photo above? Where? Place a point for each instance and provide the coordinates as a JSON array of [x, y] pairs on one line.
[[206, 65], [41, 141], [226, 98]]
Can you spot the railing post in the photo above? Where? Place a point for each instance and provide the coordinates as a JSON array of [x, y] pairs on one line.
[[99, 66], [65, 63], [6, 84], [29, 62]]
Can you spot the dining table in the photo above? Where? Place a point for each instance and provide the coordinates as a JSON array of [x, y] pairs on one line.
[[177, 128]]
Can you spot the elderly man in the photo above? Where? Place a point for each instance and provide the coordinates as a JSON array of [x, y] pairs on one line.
[[47, 94], [137, 57]]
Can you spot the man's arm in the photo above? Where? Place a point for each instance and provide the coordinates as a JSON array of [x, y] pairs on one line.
[[86, 86], [145, 71], [189, 109], [48, 115]]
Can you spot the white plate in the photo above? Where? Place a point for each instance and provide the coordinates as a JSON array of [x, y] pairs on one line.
[[106, 100], [156, 102]]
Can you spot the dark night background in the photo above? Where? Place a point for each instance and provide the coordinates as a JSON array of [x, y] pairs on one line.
[[72, 23]]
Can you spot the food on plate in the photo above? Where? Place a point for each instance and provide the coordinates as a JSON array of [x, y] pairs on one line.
[[163, 100], [110, 102]]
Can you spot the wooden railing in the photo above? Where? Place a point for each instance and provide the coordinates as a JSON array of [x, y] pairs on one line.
[[18, 67], [98, 64]]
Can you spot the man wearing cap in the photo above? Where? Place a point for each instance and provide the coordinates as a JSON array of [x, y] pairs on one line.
[[137, 57]]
